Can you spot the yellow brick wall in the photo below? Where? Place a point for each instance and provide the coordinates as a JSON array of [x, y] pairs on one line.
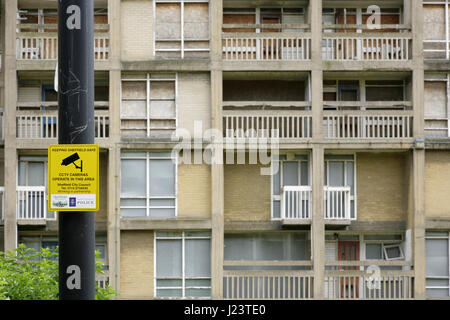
[[437, 184], [136, 265], [382, 186], [136, 30], [194, 191], [247, 193]]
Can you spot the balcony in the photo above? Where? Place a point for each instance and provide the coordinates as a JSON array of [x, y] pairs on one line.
[[337, 203], [268, 284], [43, 124], [366, 47], [44, 45], [267, 46], [267, 123], [31, 204], [349, 280], [344, 280]]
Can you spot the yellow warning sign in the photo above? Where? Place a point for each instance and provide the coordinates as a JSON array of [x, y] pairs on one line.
[[73, 175]]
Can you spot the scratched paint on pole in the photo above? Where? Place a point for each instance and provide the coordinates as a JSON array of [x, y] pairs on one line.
[[73, 175]]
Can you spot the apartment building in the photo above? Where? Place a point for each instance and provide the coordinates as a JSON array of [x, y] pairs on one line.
[[351, 99]]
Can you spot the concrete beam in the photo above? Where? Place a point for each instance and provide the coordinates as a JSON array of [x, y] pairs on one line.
[[164, 224]]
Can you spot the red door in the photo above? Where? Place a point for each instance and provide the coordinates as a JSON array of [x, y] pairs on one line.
[[349, 251]]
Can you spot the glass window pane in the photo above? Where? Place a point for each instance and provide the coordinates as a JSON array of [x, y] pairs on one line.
[[133, 175], [373, 251], [168, 293], [168, 258], [162, 178], [276, 210], [298, 247], [198, 258], [437, 293], [36, 176], [276, 180], [304, 173], [393, 252], [336, 171], [162, 213], [133, 212], [290, 173], [22, 173], [351, 177], [437, 257], [270, 247], [169, 283], [238, 247], [133, 203], [198, 292], [162, 202]]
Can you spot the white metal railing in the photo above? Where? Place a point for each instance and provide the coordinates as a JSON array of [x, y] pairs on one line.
[[266, 46], [43, 124], [357, 125], [296, 202], [37, 124], [2, 204], [274, 124], [31, 203], [42, 46], [260, 285], [102, 280], [358, 47], [337, 203], [359, 284]]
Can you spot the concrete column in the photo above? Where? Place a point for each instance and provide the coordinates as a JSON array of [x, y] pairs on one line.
[[217, 179], [315, 14], [113, 226], [419, 223], [10, 93], [217, 194], [418, 169], [318, 222]]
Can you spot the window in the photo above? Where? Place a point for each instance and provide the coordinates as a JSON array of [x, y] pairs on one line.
[[437, 264], [149, 105], [181, 29], [148, 185], [266, 246], [295, 172], [340, 186], [183, 264]]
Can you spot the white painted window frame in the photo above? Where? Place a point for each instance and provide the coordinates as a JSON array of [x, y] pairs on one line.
[[148, 80], [147, 197], [182, 40], [353, 197], [278, 198], [182, 236], [447, 237]]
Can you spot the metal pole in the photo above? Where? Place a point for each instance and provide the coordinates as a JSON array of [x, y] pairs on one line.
[[76, 126]]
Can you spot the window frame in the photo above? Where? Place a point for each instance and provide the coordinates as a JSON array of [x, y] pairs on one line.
[[148, 198], [148, 78], [182, 39], [278, 198], [182, 235], [354, 196]]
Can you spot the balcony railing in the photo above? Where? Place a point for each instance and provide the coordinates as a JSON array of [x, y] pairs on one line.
[[296, 202], [43, 124], [348, 280], [368, 124], [267, 124], [44, 45], [31, 203], [287, 46], [268, 284], [337, 203], [366, 47]]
